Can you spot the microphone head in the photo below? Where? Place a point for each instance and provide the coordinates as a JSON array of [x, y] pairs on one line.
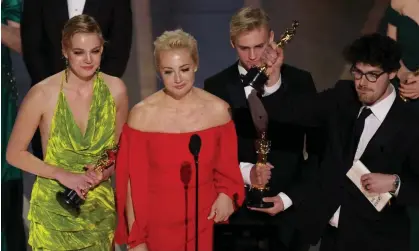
[[185, 173], [195, 144]]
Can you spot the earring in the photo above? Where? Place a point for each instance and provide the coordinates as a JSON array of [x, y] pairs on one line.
[[66, 70]]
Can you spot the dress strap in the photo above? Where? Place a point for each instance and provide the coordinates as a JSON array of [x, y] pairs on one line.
[[99, 77], [392, 16]]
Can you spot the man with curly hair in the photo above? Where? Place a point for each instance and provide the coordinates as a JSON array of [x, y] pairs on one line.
[[367, 121]]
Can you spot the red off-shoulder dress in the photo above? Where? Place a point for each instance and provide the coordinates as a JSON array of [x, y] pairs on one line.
[[161, 170]]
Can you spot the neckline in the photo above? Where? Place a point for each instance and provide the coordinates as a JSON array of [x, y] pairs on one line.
[[406, 17], [68, 108], [181, 133], [410, 19]]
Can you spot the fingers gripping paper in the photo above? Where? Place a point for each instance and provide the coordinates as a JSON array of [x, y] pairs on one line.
[[379, 201]]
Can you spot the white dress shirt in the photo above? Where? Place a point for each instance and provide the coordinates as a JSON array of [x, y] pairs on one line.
[[246, 167], [75, 7], [372, 123]]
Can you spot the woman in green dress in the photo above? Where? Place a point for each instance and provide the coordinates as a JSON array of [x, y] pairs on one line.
[[80, 113], [403, 26], [12, 227]]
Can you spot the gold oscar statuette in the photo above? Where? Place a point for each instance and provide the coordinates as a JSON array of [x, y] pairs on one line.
[[257, 192], [257, 76], [69, 198]]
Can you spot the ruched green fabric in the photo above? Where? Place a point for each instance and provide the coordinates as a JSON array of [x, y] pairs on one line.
[[52, 227]]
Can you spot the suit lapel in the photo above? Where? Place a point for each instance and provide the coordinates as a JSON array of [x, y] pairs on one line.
[[60, 10], [286, 80], [389, 129], [348, 113], [235, 89]]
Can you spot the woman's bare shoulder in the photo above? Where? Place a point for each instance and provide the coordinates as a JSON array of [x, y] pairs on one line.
[[218, 109], [398, 5], [43, 95], [115, 84], [143, 112], [47, 88]]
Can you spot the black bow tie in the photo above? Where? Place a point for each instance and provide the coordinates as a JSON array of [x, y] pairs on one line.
[[242, 79]]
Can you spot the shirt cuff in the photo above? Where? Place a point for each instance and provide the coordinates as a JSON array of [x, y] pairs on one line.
[[286, 200], [245, 169], [396, 193]]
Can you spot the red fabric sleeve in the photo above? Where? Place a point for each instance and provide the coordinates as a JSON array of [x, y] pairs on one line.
[[228, 178], [132, 164]]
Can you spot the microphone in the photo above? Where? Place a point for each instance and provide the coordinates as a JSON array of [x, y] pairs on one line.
[[185, 174], [185, 177], [195, 148], [195, 145]]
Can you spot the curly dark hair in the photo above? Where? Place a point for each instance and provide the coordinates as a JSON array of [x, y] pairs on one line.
[[376, 50]]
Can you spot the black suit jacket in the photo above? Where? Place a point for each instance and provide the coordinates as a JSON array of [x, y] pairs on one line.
[[394, 149], [43, 21], [287, 141]]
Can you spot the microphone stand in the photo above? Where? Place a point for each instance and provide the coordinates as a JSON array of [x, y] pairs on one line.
[[186, 217], [194, 148], [196, 201]]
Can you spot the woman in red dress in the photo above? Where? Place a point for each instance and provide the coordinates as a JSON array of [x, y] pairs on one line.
[[155, 177]]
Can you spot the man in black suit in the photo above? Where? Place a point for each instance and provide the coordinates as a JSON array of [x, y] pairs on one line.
[[250, 34], [41, 26], [366, 121]]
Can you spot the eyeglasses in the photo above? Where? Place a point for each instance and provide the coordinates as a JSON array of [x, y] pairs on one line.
[[370, 76]]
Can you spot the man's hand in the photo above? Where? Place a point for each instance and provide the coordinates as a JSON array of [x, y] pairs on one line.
[[277, 208], [260, 174], [273, 57], [410, 88], [222, 208], [378, 182]]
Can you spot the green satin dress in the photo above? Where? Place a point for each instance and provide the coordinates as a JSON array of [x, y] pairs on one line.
[[10, 11], [408, 38], [52, 227]]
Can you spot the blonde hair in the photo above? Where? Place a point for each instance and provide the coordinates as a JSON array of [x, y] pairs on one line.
[[247, 19], [80, 24], [177, 39]]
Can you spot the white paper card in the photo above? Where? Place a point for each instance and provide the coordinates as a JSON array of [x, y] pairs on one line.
[[379, 201]]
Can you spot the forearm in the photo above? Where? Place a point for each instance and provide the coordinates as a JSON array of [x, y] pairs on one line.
[[10, 36], [297, 192], [141, 247], [129, 209], [305, 109], [27, 162], [306, 182]]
